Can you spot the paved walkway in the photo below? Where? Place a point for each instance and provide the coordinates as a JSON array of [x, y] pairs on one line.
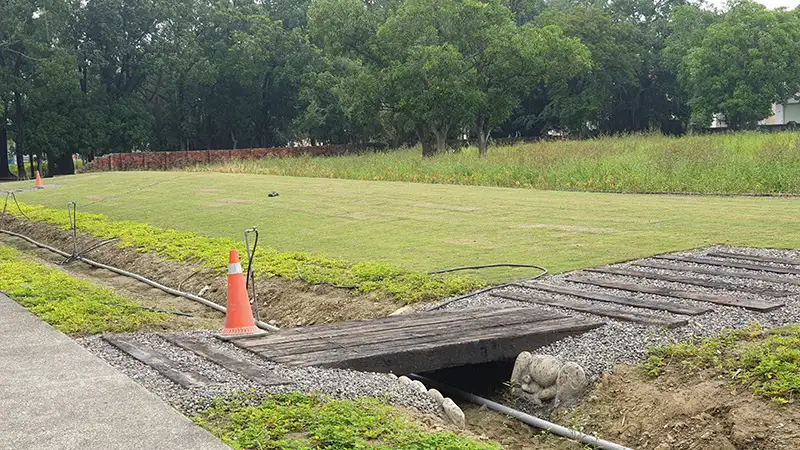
[[54, 394]]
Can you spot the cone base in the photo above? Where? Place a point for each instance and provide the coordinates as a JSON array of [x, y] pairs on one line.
[[232, 333]]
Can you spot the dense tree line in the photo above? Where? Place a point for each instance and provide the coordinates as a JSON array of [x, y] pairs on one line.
[[101, 76]]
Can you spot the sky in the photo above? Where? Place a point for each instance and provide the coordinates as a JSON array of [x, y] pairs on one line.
[[789, 4]]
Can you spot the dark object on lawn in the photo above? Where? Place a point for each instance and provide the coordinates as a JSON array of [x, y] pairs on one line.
[[272, 194]]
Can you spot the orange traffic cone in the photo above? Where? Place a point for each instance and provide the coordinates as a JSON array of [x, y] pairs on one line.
[[239, 317], [39, 184]]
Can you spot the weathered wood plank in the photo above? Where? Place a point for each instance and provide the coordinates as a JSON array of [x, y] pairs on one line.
[[738, 265], [158, 361], [695, 269], [628, 301], [769, 259], [300, 334], [756, 305], [405, 336], [599, 310], [499, 344], [240, 366], [321, 339], [408, 336], [723, 285]]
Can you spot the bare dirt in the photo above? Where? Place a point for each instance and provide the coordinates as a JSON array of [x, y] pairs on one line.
[[284, 303], [682, 410], [201, 317], [676, 411]]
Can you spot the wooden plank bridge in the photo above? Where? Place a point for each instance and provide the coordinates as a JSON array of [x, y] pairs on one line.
[[665, 291], [441, 339], [419, 342]]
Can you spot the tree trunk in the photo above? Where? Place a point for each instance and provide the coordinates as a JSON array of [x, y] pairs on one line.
[[61, 164], [426, 141], [441, 139], [30, 161], [483, 137], [19, 135], [4, 171]]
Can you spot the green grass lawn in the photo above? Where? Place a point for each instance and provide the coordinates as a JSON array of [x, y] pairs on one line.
[[731, 164], [427, 227]]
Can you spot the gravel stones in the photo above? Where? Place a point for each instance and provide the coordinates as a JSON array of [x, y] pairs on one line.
[[336, 383], [625, 342]]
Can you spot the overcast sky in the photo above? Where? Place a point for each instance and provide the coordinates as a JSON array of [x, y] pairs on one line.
[[789, 4]]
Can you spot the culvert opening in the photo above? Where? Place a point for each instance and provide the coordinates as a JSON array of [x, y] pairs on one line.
[[486, 379]]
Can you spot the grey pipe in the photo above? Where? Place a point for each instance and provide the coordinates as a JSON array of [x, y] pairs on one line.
[[521, 416], [149, 282]]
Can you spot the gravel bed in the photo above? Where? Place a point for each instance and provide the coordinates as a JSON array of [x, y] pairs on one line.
[[624, 342], [597, 350], [732, 276], [336, 383]]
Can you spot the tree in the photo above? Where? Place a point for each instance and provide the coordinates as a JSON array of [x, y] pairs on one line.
[[743, 65], [435, 92], [580, 102], [18, 47], [513, 66]]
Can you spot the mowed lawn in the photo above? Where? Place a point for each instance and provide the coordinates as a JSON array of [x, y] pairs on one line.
[[428, 227]]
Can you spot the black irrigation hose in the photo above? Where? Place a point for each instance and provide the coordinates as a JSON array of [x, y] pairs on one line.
[[14, 196], [436, 272], [488, 266], [88, 250], [155, 284], [250, 280], [320, 283]]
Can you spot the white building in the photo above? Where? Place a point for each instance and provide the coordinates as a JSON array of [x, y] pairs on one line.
[[782, 114]]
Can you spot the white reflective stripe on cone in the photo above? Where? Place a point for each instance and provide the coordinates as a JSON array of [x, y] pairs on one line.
[[234, 268]]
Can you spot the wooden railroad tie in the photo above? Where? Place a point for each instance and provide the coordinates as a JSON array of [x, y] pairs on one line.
[[712, 284], [598, 310], [756, 305], [159, 362]]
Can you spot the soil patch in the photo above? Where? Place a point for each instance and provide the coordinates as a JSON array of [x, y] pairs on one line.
[[202, 318], [680, 410], [284, 303]]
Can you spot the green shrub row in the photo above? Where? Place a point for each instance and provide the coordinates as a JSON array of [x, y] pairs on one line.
[[72, 306], [299, 421], [766, 360], [399, 283]]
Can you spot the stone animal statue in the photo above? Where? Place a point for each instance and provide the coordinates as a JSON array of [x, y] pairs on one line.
[[543, 378]]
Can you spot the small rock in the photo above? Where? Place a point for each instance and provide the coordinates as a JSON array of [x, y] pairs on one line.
[[391, 375], [404, 380], [436, 396], [453, 413], [408, 309], [416, 384]]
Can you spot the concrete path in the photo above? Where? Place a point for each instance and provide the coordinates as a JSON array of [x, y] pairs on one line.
[[54, 394]]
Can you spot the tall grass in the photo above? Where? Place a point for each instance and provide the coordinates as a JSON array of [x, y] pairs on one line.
[[743, 163]]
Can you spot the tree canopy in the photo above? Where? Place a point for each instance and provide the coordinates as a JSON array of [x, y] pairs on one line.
[[100, 76]]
